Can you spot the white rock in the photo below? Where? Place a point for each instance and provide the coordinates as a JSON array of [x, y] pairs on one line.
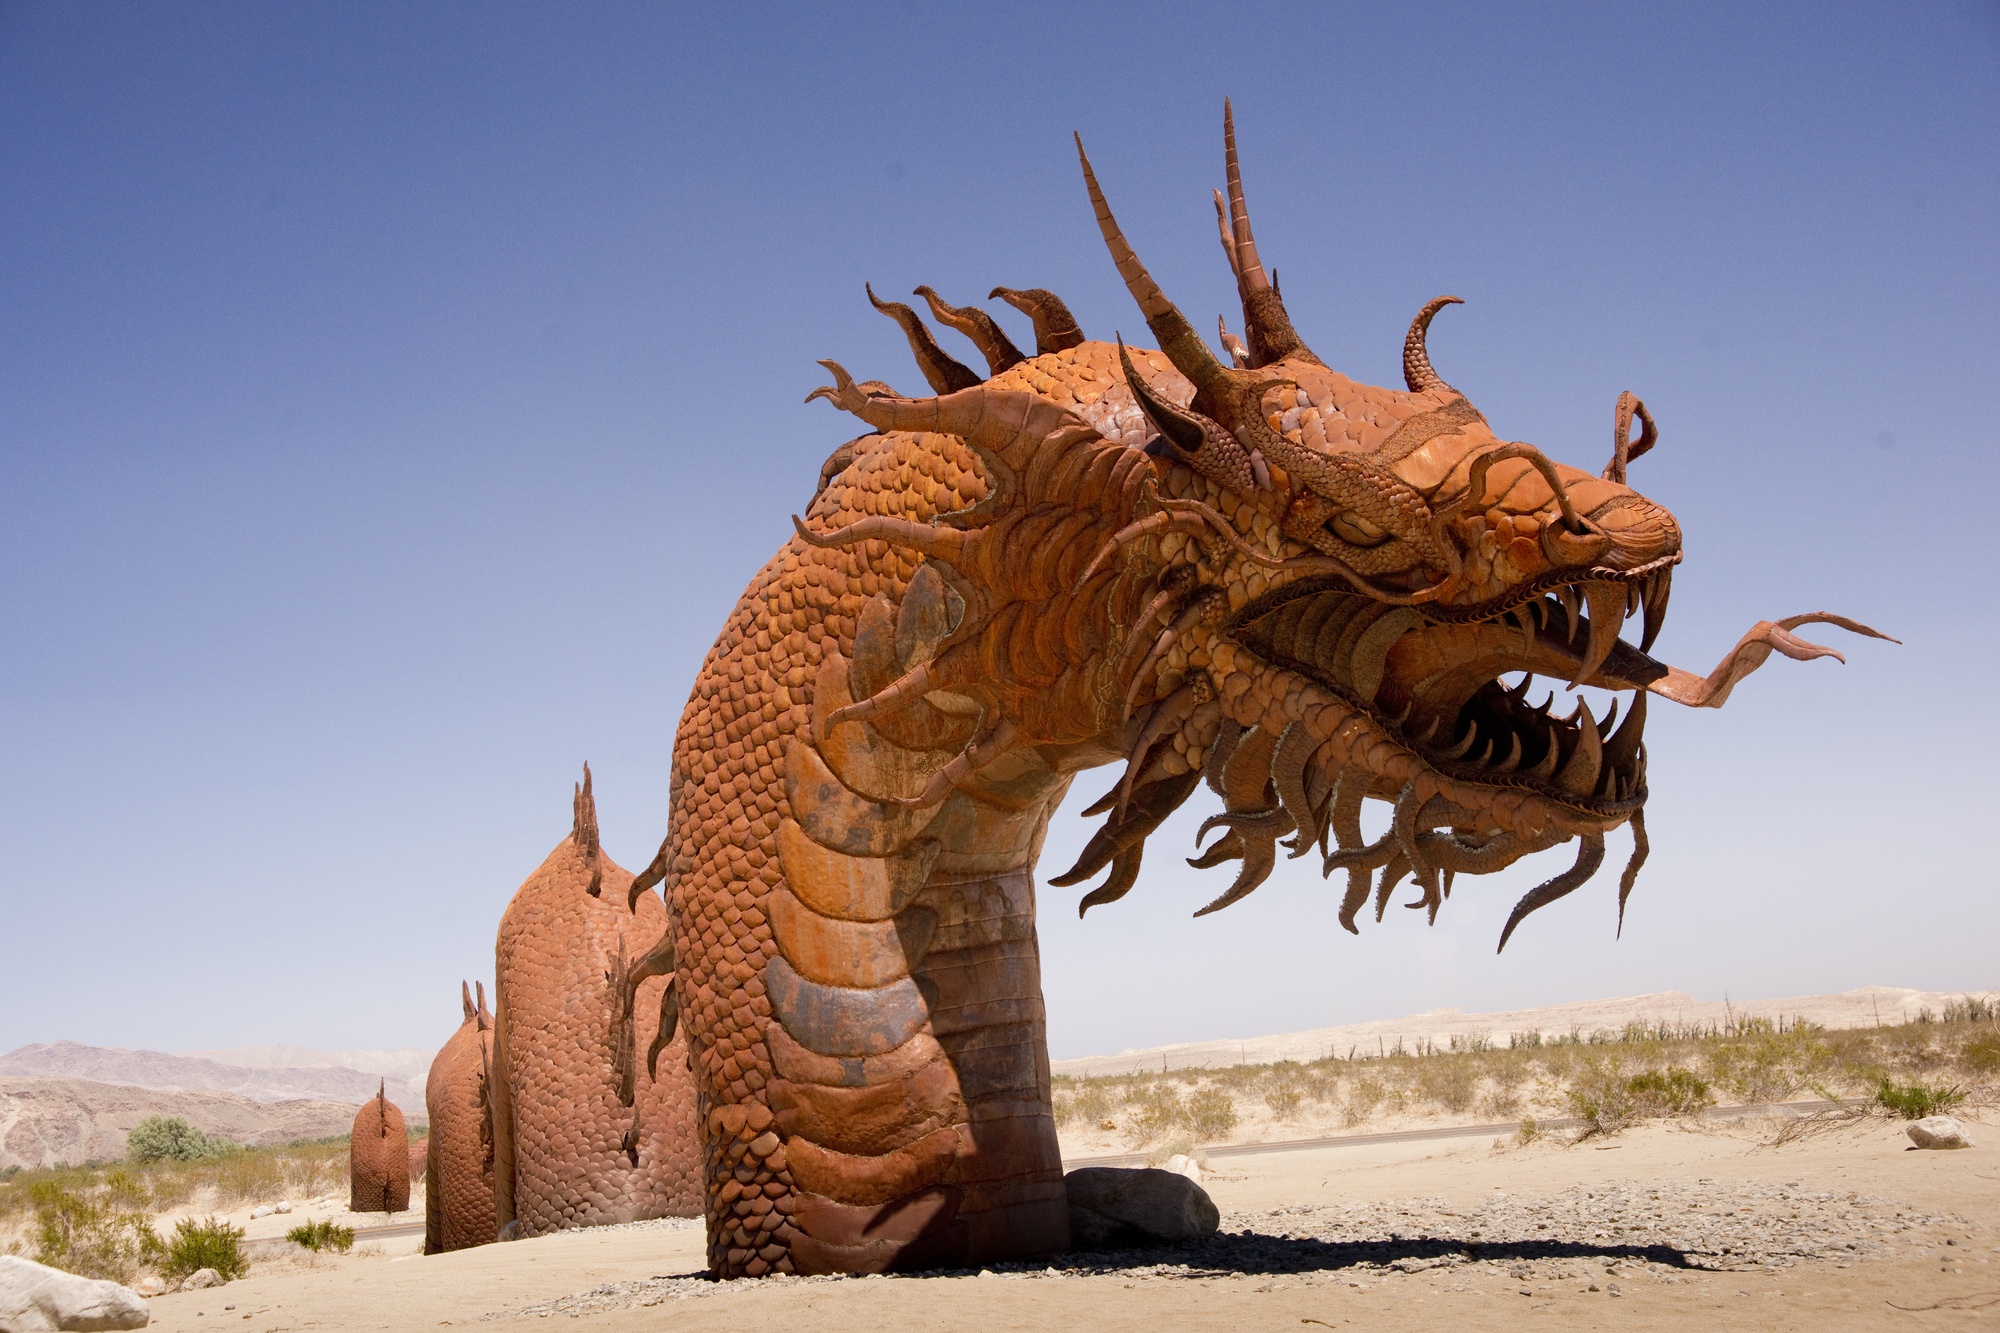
[[1183, 1165], [261, 1210], [282, 1206], [201, 1279], [150, 1286], [34, 1298], [1937, 1131]]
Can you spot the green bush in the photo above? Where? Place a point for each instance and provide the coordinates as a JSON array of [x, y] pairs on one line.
[[317, 1236], [1211, 1114], [1601, 1097], [1981, 1052], [78, 1235], [162, 1138], [1670, 1091], [207, 1244], [1915, 1100]]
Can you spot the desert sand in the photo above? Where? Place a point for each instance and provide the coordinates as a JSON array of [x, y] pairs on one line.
[[1847, 1230]]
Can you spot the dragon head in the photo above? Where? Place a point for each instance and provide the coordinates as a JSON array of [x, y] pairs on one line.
[[1346, 593]]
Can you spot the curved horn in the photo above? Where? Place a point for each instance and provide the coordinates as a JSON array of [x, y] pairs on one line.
[[1203, 445], [986, 334], [1623, 447], [1055, 328], [941, 372], [1417, 372], [1267, 326], [1178, 339]]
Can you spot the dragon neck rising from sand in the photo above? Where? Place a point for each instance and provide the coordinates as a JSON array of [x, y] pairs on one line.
[[1304, 591]]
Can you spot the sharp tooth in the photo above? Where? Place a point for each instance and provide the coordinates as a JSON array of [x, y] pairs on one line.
[[1610, 720], [1579, 775], [1543, 706], [1566, 594], [1607, 613], [1513, 757], [1607, 786], [1485, 753], [1430, 732], [1525, 617], [1657, 588], [1546, 769], [1520, 692], [1621, 752], [1631, 599], [1458, 751], [1538, 612]]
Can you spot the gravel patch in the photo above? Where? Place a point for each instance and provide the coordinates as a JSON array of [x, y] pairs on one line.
[[1593, 1236]]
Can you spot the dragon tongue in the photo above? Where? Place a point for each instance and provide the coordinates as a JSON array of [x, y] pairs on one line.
[[1606, 605]]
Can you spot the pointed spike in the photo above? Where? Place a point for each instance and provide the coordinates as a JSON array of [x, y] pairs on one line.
[[1640, 849], [1545, 769], [1607, 614], [1621, 751], [1460, 748], [1430, 732], [1513, 758], [1588, 857], [1566, 595], [1520, 692], [1579, 775], [1657, 588]]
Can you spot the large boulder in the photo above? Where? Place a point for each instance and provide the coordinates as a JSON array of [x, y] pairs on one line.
[[34, 1298], [1937, 1131], [1113, 1208]]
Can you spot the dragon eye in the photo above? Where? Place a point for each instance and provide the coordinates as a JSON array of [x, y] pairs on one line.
[[1355, 530]]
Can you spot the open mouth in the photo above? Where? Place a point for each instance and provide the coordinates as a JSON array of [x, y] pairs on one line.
[[1437, 685]]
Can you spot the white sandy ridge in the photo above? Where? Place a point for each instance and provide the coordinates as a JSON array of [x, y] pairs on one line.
[[1866, 1007]]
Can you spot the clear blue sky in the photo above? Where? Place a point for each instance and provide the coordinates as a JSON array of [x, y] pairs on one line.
[[394, 399]]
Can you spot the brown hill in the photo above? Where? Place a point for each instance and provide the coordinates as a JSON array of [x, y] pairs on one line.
[[44, 1121]]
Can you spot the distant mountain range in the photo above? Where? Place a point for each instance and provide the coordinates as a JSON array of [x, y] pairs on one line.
[[259, 1073], [44, 1121]]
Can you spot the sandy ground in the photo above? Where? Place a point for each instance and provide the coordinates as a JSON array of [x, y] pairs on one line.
[[1847, 1230]]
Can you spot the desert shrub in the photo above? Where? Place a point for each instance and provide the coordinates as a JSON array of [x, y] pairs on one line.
[[1530, 1130], [1671, 1091], [1980, 1052], [1284, 1089], [1091, 1101], [1363, 1096], [1156, 1109], [162, 1138], [80, 1235], [1211, 1114], [1447, 1081], [1972, 1009], [248, 1176], [317, 1236], [1768, 1064], [206, 1244], [1916, 1099], [1601, 1097]]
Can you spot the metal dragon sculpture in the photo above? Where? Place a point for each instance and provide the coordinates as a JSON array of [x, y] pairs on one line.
[[1253, 572]]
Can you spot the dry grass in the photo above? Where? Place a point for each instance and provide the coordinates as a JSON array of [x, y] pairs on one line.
[[1605, 1079]]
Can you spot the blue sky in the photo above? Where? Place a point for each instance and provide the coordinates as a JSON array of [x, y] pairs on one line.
[[394, 399]]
